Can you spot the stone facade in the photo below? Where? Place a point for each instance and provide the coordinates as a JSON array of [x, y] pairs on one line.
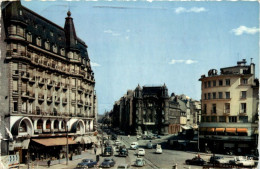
[[46, 79], [230, 103]]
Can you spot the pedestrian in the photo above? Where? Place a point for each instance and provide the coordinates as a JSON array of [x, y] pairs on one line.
[[49, 163], [95, 150], [198, 155]]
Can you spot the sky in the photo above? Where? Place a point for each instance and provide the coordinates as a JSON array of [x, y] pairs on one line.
[[157, 42]]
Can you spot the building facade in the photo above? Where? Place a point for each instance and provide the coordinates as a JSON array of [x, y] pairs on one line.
[[47, 85], [230, 103]]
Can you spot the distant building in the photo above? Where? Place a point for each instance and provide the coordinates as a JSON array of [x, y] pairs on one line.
[[230, 103], [46, 84], [149, 109]]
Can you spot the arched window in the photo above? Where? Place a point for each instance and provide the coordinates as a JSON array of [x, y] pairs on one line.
[[39, 124], [56, 124], [23, 127], [47, 45], [54, 48], [29, 37], [78, 127], [48, 124], [38, 41], [63, 124]]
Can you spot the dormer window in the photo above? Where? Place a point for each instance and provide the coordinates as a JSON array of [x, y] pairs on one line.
[[54, 48], [62, 52], [38, 41], [29, 37], [76, 41], [47, 45], [51, 33], [20, 12]]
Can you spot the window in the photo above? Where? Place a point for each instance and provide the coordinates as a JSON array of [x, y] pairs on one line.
[[39, 124], [205, 109], [243, 95], [62, 52], [214, 95], [227, 108], [232, 119], [48, 124], [243, 119], [51, 33], [243, 108], [15, 86], [38, 41], [220, 95], [24, 107], [12, 29], [209, 84], [213, 119], [14, 47], [205, 96], [47, 45], [29, 37], [214, 109], [205, 84], [220, 82], [15, 106], [23, 127], [227, 82], [209, 96], [214, 83], [222, 119], [207, 118], [227, 95], [20, 12], [54, 48], [244, 81]]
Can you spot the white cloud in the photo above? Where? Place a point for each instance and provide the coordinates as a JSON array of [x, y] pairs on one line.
[[112, 32], [128, 30], [243, 29], [193, 9], [189, 61], [93, 64], [127, 37], [108, 31]]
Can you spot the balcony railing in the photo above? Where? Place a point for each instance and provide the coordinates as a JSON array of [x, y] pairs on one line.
[[49, 99], [80, 102], [32, 80], [31, 96], [64, 101], [41, 81], [243, 111], [41, 98], [25, 94], [25, 75], [57, 101], [15, 73], [65, 87], [57, 85], [227, 111], [50, 84]]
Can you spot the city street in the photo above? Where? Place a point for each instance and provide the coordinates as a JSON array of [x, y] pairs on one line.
[[166, 160]]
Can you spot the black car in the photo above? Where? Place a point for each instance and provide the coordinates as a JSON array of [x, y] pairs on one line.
[[108, 151], [108, 162], [195, 161], [114, 137], [123, 152], [86, 163], [215, 159]]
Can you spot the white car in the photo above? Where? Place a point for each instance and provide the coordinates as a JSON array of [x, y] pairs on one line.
[[244, 161], [158, 149], [134, 145], [117, 142], [141, 152]]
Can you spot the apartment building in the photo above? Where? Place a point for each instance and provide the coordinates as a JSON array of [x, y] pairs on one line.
[[230, 101], [46, 84]]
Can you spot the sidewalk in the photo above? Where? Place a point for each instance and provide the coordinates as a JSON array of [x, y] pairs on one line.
[[71, 164]]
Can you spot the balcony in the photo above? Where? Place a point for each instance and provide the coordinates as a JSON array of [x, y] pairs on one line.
[[57, 101], [64, 101], [31, 96], [227, 111], [80, 89], [50, 84], [15, 73], [49, 99], [40, 98], [29, 55], [41, 82], [25, 94], [90, 104], [65, 87], [32, 80], [15, 92], [80, 102], [57, 85], [25, 75]]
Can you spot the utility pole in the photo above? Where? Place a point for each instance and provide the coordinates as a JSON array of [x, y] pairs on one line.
[[67, 145]]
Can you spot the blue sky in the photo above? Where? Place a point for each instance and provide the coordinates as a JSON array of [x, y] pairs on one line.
[[152, 43]]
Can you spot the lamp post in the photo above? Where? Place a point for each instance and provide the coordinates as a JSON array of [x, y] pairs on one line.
[[67, 145]]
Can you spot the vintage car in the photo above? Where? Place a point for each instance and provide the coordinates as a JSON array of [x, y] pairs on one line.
[[86, 163], [134, 145], [108, 162], [141, 152], [243, 161], [195, 161], [139, 162], [123, 152], [158, 149]]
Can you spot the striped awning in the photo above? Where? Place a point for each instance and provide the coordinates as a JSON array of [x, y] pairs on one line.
[[210, 129], [242, 130], [60, 141], [221, 130], [231, 130]]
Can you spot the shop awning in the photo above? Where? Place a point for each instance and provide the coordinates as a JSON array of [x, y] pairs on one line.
[[202, 129], [210, 129], [60, 141], [242, 130], [221, 130], [230, 130]]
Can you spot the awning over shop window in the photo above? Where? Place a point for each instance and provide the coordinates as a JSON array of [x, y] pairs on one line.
[[230, 130], [202, 129], [242, 130], [210, 129], [60, 141], [221, 130]]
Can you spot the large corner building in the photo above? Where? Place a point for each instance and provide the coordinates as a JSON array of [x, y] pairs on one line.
[[46, 84], [230, 101]]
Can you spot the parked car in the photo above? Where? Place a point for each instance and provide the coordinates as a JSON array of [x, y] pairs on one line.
[[134, 145], [158, 149], [141, 152], [218, 160], [117, 142], [108, 162], [114, 137], [243, 161], [139, 162], [149, 145], [195, 161], [156, 136], [123, 166], [86, 163]]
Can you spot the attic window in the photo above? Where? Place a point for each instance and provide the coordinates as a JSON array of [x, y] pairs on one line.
[[54, 48], [76, 42], [62, 52], [20, 12], [29, 37], [38, 41], [47, 45], [51, 33]]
